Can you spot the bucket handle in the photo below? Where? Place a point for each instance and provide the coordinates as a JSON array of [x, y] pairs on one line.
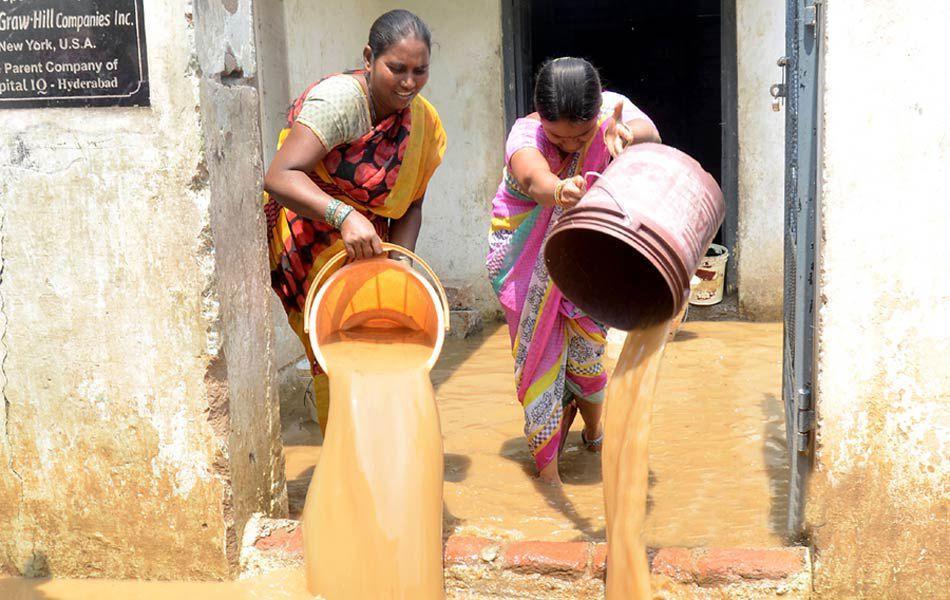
[[334, 261], [609, 189]]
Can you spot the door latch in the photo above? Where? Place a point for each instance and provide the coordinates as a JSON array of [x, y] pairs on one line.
[[810, 16], [779, 90]]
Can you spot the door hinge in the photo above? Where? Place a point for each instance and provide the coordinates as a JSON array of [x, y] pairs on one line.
[[804, 418], [803, 398], [805, 426], [801, 442], [806, 421]]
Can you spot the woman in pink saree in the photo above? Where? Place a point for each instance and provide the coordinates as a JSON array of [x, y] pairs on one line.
[[558, 350]]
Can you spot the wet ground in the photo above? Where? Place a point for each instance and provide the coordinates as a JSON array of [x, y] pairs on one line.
[[717, 460], [717, 452], [277, 585]]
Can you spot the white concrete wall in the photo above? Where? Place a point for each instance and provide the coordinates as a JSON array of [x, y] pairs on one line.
[[467, 88], [242, 394], [271, 43], [325, 37], [137, 431], [879, 498], [760, 28]]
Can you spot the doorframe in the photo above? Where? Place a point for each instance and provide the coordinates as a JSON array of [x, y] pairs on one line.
[[729, 174], [516, 55]]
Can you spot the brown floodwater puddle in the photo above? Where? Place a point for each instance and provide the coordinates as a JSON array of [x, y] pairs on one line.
[[283, 584], [717, 467]]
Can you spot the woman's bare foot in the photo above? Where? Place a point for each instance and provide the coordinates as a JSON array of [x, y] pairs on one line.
[[549, 474]]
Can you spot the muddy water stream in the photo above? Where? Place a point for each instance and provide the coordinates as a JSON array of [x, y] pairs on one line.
[[627, 425], [376, 496]]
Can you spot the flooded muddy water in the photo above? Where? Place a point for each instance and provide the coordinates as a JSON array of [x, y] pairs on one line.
[[284, 584], [717, 467]]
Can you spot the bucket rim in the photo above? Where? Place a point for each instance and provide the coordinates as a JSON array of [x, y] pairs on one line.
[[441, 316], [673, 273], [721, 251]]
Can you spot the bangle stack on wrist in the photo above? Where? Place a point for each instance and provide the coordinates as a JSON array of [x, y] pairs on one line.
[[337, 212], [558, 190]]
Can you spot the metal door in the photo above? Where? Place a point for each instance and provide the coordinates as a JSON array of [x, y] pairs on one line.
[[800, 91]]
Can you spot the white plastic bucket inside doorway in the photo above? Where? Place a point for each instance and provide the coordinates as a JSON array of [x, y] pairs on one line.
[[712, 277]]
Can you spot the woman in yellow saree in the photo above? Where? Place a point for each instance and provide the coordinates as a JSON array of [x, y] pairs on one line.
[[352, 168]]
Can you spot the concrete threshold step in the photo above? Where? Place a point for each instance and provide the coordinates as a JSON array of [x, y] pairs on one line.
[[485, 568]]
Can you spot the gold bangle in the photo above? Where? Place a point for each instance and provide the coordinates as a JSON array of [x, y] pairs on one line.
[[558, 189]]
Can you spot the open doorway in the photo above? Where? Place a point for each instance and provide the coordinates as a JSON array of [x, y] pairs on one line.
[[676, 61]]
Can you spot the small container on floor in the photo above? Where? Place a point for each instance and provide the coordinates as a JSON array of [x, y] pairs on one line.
[[712, 277]]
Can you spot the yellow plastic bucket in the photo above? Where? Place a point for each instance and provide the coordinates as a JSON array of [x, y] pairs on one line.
[[379, 293]]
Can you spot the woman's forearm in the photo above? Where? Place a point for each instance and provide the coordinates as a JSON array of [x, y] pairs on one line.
[[295, 190], [540, 186], [643, 131]]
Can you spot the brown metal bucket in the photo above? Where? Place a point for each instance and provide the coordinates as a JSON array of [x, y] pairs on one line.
[[626, 252]]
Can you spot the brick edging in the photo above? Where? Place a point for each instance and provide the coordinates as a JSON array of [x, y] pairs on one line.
[[571, 560], [701, 566]]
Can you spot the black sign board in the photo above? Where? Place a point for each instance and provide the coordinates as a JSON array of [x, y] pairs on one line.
[[72, 53]]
